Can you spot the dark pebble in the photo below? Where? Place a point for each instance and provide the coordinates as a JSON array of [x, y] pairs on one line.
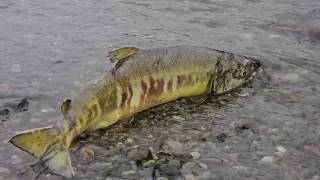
[[4, 111], [221, 137], [169, 170], [19, 105], [58, 62]]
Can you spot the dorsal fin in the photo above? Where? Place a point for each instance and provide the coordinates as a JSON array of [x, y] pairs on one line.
[[65, 106], [120, 55]]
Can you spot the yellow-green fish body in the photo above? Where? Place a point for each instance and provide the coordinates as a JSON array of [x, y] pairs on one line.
[[139, 80]]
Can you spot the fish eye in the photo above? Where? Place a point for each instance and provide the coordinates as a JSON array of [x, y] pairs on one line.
[[244, 73]]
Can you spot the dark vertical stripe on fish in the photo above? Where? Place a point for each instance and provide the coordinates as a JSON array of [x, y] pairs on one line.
[[124, 95], [130, 94], [169, 85], [95, 110]]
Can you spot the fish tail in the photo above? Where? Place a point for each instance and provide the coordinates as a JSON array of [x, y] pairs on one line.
[[45, 144]]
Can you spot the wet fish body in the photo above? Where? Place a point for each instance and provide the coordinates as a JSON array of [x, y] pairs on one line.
[[139, 80]]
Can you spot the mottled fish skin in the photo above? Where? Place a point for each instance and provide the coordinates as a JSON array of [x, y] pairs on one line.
[[149, 78]]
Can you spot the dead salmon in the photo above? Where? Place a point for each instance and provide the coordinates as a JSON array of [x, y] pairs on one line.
[[140, 79]]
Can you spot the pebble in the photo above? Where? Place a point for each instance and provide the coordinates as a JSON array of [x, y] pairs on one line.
[[4, 111], [4, 170], [174, 163], [162, 178], [206, 175], [195, 155], [175, 145], [212, 161], [97, 150], [316, 177], [100, 166], [178, 118], [281, 149], [268, 159], [203, 165], [16, 161], [205, 136], [190, 177], [35, 120], [240, 168], [149, 163], [169, 170], [4, 86], [125, 173], [275, 139], [313, 146]]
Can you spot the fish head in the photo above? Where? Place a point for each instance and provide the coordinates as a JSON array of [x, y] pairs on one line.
[[234, 73]]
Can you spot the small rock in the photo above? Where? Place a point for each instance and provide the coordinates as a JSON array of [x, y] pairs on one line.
[[149, 163], [206, 175], [178, 118], [316, 177], [188, 168], [221, 137], [268, 159], [175, 145], [205, 136], [14, 157], [240, 126], [58, 62], [190, 177], [86, 152], [129, 141], [35, 120], [174, 163], [275, 139], [162, 178], [19, 105], [212, 161], [169, 170], [240, 168], [16, 161], [100, 166], [203, 165], [4, 111], [313, 146], [126, 173], [4, 86], [195, 155], [144, 152], [281, 149], [4, 171], [134, 155], [97, 150]]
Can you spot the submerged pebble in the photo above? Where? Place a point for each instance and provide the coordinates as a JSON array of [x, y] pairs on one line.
[[4, 171], [19, 105], [175, 145], [313, 146], [169, 170], [195, 155]]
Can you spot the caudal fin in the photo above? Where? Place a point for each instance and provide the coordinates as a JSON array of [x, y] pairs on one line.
[[44, 144]]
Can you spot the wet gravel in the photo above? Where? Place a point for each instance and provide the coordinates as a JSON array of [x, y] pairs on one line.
[[49, 49]]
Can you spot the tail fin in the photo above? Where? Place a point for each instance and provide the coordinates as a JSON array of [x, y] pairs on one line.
[[44, 144]]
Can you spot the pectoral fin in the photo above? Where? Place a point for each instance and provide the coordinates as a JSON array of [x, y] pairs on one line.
[[120, 55], [205, 97]]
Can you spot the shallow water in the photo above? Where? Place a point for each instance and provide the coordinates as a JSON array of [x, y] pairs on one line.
[[49, 49]]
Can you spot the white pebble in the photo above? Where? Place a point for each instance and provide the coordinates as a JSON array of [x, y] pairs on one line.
[[281, 149], [269, 159], [195, 155]]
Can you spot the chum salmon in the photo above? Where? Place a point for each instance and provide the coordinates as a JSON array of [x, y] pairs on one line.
[[140, 79]]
